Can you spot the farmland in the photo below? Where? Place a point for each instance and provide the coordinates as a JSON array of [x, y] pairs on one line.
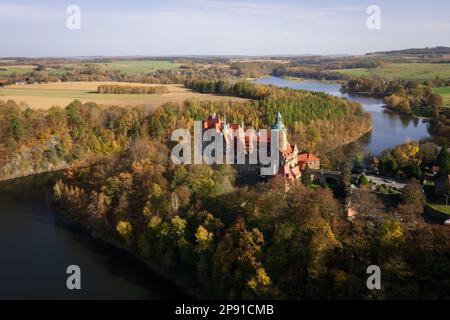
[[6, 71], [139, 66], [402, 71], [123, 66], [19, 69], [62, 93]]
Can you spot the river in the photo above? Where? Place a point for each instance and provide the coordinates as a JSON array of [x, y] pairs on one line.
[[37, 246], [389, 129]]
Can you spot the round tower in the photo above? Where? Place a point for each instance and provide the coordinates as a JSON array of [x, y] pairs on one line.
[[282, 131]]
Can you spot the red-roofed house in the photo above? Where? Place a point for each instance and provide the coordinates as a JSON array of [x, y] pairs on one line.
[[308, 160]]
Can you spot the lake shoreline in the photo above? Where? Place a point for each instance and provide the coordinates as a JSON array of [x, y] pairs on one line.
[[184, 285], [30, 220], [389, 129], [58, 168], [352, 140]]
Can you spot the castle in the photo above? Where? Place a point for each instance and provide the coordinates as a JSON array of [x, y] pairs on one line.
[[291, 162]]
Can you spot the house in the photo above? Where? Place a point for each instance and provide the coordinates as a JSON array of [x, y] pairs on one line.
[[308, 160]]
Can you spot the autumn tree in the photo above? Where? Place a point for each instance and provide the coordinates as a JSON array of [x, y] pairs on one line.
[[238, 271], [412, 199]]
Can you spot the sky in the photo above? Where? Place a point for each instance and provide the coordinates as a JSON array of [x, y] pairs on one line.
[[38, 28]]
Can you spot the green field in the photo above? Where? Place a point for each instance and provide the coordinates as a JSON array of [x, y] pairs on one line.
[[22, 69], [445, 93], [403, 71], [16, 69], [139, 66], [124, 66]]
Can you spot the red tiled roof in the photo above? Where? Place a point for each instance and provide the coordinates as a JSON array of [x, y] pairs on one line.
[[307, 157]]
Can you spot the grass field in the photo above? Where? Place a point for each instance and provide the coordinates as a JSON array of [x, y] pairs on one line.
[[62, 93], [21, 69], [139, 66], [445, 93], [406, 71]]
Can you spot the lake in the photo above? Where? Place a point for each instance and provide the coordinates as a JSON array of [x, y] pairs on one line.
[[389, 129], [37, 246]]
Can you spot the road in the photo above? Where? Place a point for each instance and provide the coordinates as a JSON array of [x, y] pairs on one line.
[[378, 180]]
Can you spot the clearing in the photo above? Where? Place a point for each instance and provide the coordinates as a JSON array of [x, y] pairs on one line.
[[61, 94]]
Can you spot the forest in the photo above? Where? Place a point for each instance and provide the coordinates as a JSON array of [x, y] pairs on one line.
[[253, 242], [122, 89], [33, 140]]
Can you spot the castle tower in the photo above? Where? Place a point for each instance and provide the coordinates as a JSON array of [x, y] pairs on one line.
[[279, 126], [225, 125]]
